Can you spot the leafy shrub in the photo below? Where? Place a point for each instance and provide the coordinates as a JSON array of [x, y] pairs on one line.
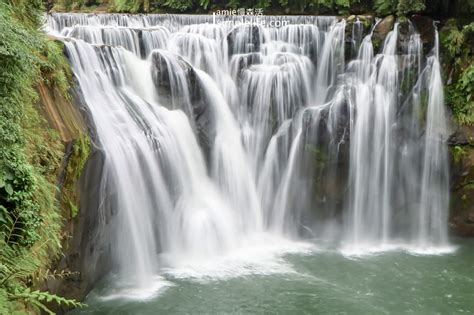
[[457, 59], [461, 97], [30, 154], [385, 7], [399, 7], [458, 153], [180, 5], [405, 7]]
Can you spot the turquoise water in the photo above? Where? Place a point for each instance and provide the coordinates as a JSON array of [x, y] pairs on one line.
[[310, 282]]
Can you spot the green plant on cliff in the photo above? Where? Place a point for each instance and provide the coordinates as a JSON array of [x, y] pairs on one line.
[[76, 162], [71, 5], [399, 7], [405, 7], [134, 6], [131, 6], [452, 39], [385, 7], [30, 154], [457, 43], [18, 267], [461, 97], [458, 152]]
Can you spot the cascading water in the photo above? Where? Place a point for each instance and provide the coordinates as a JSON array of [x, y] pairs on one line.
[[372, 148], [217, 137], [434, 198]]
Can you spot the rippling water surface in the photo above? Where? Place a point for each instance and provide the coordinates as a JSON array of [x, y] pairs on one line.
[[311, 280]]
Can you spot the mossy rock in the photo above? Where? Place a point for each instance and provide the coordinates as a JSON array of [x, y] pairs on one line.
[[383, 28]]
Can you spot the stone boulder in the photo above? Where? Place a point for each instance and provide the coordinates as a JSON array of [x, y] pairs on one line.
[[382, 29]]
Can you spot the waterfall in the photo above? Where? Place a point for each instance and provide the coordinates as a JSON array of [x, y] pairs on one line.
[[434, 197], [219, 136], [372, 148]]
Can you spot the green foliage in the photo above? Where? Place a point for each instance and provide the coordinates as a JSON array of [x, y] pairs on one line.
[[79, 154], [16, 90], [181, 5], [339, 6], [28, 12], [132, 6], [458, 152], [54, 67], [204, 3], [72, 5], [30, 154], [461, 97], [343, 6], [17, 265], [323, 3], [405, 7], [453, 42], [263, 4], [385, 7], [398, 7], [19, 269], [458, 63], [38, 298]]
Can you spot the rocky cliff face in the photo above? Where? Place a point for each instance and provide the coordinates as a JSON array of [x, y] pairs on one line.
[[84, 258]]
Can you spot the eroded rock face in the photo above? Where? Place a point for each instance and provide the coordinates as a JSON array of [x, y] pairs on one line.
[[326, 159], [86, 256], [179, 88], [425, 26]]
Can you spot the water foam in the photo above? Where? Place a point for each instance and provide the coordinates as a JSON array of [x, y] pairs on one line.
[[261, 254]]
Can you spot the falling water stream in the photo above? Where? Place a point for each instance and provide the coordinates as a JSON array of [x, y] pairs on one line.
[[234, 151]]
